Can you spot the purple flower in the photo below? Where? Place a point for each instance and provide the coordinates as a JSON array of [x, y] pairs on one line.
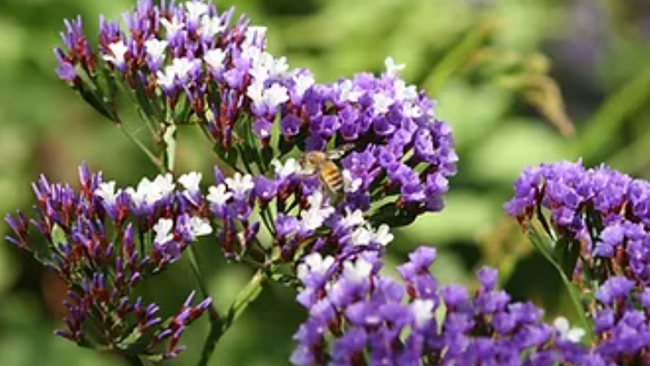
[[390, 323], [93, 238], [600, 207], [189, 54], [614, 288], [599, 216]]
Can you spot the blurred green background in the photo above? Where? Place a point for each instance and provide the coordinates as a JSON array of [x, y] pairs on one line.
[[520, 82]]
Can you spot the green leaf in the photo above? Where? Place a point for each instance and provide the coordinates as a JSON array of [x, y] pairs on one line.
[[230, 156], [267, 156], [575, 294], [286, 147], [90, 96], [146, 105], [543, 245], [566, 253], [392, 215]]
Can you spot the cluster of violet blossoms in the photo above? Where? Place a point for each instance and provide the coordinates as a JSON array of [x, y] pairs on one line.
[[186, 61], [603, 216], [105, 241], [357, 316], [96, 241]]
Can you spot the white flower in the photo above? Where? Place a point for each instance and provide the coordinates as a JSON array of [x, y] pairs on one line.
[[381, 103], [412, 110], [156, 49], [383, 235], [392, 68], [214, 58], [278, 66], [575, 334], [172, 27], [275, 95], [200, 226], [403, 91], [422, 311], [164, 185], [348, 94], [365, 235], [191, 181], [195, 9], [118, 50], [352, 218], [361, 236], [211, 26], [255, 91], [163, 230], [106, 191], [316, 199], [265, 66], [239, 184], [148, 192], [314, 263], [255, 34], [315, 216], [358, 271], [259, 75], [290, 167], [270, 98], [178, 70], [303, 82], [251, 54], [166, 78], [137, 195], [350, 185], [182, 67], [218, 195]]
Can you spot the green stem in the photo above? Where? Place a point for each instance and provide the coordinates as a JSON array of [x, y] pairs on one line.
[[155, 160], [169, 143], [575, 294], [245, 297], [215, 318], [218, 325], [168, 154]]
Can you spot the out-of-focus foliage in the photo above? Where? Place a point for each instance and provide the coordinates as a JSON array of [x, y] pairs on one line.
[[519, 81]]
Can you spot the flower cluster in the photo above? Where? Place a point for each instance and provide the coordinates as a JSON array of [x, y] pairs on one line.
[[622, 323], [606, 211], [358, 316], [605, 215], [96, 242], [186, 61], [104, 241], [294, 209], [571, 192]]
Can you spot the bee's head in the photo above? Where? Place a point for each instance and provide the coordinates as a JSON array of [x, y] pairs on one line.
[[310, 161], [313, 158]]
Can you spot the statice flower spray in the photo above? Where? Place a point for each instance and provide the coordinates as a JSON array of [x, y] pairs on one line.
[[311, 179]]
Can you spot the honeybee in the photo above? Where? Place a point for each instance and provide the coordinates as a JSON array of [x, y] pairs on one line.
[[323, 164]]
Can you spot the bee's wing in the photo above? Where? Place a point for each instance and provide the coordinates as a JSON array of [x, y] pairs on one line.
[[339, 151]]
